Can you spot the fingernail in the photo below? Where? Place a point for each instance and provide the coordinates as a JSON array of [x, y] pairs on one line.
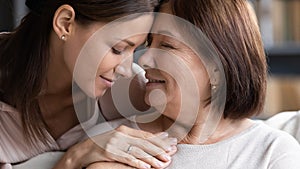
[[166, 157], [169, 148], [159, 164], [146, 166], [174, 147], [164, 134]]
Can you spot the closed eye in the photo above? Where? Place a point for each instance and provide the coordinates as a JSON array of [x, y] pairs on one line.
[[166, 45], [115, 51]]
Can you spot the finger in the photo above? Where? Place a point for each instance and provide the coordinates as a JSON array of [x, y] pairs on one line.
[[167, 144], [173, 141], [156, 145], [162, 140], [99, 165], [150, 148], [173, 151], [158, 139], [142, 155], [134, 132], [130, 160]]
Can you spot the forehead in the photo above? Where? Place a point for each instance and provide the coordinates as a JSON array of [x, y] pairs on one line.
[[165, 24], [131, 28], [127, 26], [166, 8]]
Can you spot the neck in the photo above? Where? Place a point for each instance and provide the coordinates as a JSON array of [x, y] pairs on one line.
[[59, 78], [226, 129], [56, 94], [192, 134]]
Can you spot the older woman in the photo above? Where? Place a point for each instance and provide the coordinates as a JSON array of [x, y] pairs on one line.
[[39, 62], [206, 87]]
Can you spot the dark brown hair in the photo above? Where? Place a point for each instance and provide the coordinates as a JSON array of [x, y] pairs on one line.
[[24, 53], [234, 33]]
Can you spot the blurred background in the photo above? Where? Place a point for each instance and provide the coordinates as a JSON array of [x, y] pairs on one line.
[[11, 13], [279, 22]]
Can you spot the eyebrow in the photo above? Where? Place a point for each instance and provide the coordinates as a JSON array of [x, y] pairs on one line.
[[165, 32]]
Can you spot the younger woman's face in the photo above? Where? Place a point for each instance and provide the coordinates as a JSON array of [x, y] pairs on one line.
[[100, 53]]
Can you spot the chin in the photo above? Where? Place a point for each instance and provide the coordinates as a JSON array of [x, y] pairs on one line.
[[99, 93], [170, 116]]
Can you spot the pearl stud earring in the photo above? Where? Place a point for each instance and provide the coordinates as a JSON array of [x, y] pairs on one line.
[[63, 37], [213, 87]]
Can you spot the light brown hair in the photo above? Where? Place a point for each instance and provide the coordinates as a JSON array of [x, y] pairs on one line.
[[234, 33]]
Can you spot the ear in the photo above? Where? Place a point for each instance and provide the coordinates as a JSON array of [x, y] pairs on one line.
[[64, 21]]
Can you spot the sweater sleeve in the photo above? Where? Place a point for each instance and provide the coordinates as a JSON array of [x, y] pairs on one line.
[[5, 166], [288, 122], [286, 160], [286, 154]]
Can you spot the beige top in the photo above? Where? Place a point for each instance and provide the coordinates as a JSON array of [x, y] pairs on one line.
[[13, 147]]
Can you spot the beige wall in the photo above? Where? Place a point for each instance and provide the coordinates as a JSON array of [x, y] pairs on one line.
[[283, 94]]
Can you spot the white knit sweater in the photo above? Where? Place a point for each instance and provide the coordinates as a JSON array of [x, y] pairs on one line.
[[259, 147]]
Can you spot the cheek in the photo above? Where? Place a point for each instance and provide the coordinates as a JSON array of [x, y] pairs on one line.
[[203, 82], [204, 90], [87, 67], [169, 93], [108, 64], [173, 91]]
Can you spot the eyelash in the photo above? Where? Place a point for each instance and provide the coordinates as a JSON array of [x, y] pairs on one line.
[[163, 44], [117, 52], [166, 45]]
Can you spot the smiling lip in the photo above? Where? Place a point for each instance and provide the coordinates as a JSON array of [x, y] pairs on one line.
[[155, 81], [152, 81], [108, 82]]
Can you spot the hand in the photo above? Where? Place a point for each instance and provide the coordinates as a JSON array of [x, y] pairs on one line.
[[133, 147], [109, 165]]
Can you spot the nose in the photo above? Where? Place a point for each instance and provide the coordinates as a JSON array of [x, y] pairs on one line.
[[125, 67], [147, 59]]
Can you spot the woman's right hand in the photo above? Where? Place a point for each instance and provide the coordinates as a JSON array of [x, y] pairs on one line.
[[133, 147]]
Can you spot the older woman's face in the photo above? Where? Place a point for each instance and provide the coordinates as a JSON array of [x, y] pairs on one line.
[[178, 83], [176, 77]]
